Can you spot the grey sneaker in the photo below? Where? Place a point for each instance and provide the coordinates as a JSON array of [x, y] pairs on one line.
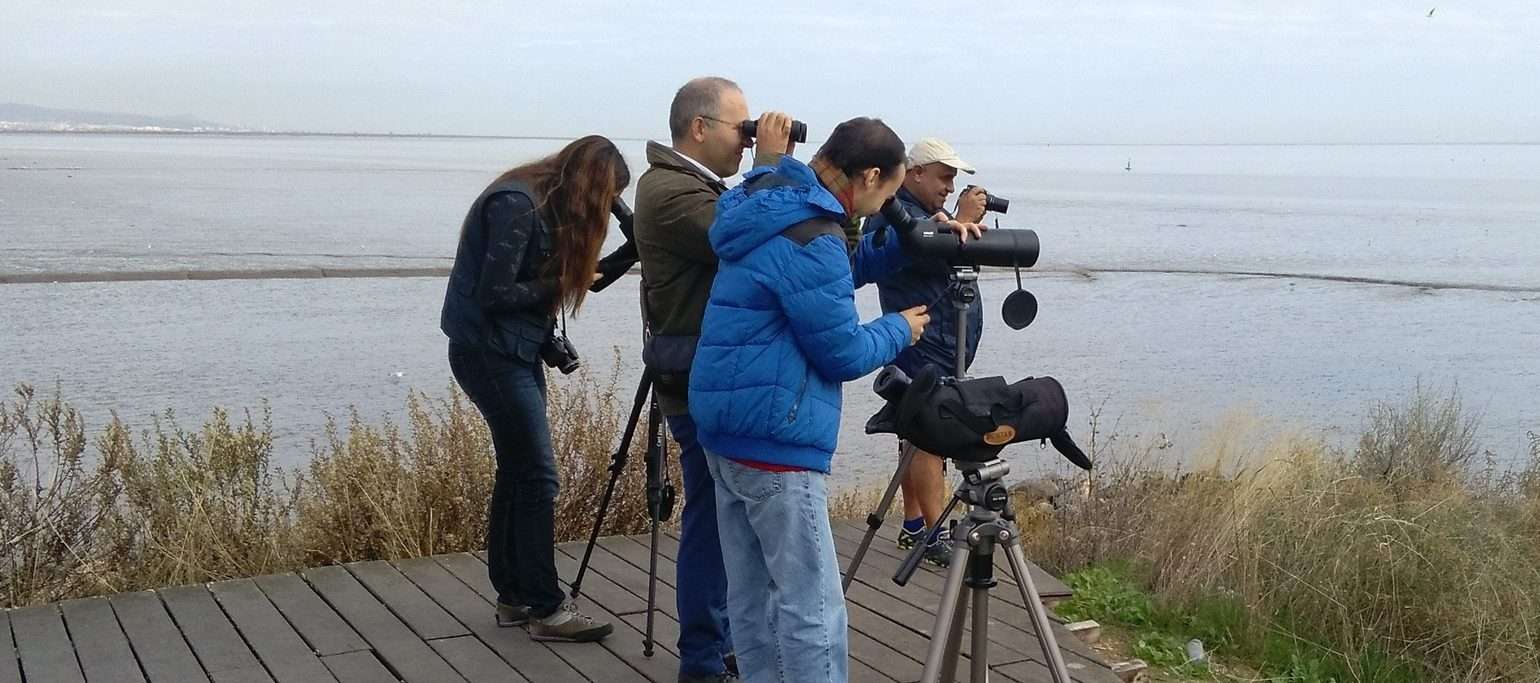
[[939, 552], [509, 616], [576, 628]]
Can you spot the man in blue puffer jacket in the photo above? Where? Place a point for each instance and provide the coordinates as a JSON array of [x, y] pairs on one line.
[[780, 335]]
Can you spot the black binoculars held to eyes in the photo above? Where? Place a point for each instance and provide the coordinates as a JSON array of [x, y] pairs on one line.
[[992, 203], [798, 130]]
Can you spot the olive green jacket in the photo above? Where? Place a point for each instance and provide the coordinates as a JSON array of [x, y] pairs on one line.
[[675, 204]]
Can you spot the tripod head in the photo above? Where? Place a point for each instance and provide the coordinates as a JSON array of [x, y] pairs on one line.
[[983, 485], [983, 489], [962, 288]]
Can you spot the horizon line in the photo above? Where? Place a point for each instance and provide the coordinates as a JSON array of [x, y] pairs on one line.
[[560, 138]]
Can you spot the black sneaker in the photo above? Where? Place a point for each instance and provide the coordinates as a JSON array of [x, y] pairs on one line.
[[907, 538], [939, 552]]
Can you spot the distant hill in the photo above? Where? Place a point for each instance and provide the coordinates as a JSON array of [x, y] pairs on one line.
[[16, 116]]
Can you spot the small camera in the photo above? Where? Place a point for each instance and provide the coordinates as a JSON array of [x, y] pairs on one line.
[[992, 203], [559, 353], [798, 130]]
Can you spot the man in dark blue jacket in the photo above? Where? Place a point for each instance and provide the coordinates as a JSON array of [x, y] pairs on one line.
[[932, 169], [780, 335]]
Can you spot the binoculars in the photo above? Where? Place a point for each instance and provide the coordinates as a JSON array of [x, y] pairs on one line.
[[798, 130]]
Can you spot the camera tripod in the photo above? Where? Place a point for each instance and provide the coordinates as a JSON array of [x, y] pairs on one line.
[[660, 493], [988, 524]]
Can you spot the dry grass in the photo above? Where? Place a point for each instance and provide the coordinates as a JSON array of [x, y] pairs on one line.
[[170, 506], [1398, 551], [1394, 553]]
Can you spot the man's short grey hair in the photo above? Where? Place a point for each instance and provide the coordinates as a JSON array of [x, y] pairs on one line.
[[700, 97]]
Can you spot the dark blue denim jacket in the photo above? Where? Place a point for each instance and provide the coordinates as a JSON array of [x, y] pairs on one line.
[[922, 283], [497, 297]]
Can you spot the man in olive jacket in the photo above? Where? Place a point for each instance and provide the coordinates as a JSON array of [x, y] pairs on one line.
[[676, 202]]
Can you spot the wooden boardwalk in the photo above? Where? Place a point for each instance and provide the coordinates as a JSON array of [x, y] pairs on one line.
[[430, 620]]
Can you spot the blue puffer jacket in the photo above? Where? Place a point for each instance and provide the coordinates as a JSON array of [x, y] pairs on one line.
[[781, 331]]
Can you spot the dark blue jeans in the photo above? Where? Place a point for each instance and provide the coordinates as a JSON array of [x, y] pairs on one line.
[[521, 549], [701, 581]]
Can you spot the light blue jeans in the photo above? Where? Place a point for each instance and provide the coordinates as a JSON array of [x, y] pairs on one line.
[[783, 583]]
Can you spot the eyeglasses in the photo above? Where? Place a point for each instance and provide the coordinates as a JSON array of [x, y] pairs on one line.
[[713, 118]]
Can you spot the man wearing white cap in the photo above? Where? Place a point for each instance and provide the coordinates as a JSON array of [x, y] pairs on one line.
[[933, 167]]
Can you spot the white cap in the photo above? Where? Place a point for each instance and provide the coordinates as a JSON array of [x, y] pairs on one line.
[[934, 151]]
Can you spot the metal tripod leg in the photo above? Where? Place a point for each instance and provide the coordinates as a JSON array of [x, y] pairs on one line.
[[1034, 602], [954, 640], [874, 519], [655, 464], [948, 615], [979, 655], [617, 467]]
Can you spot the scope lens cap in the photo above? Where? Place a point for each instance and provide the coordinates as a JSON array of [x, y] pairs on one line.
[[1019, 309]]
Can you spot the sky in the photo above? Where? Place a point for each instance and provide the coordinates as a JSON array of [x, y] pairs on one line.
[[1197, 71]]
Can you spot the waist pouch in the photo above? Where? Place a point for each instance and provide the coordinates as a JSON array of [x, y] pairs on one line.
[[669, 357]]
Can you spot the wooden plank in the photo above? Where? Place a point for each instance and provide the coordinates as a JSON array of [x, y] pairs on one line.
[[312, 618], [43, 645], [406, 654], [596, 586], [631, 578], [358, 667], [626, 576], [417, 610], [1011, 632], [1006, 603], [876, 655], [625, 647], [162, 652], [863, 621], [245, 674], [1035, 672], [213, 638], [921, 621], [626, 642], [100, 645], [901, 638], [665, 632], [10, 668], [916, 603], [451, 592], [275, 642], [474, 661], [861, 673], [1048, 585], [885, 660], [536, 661], [916, 620], [1009, 642], [471, 571]]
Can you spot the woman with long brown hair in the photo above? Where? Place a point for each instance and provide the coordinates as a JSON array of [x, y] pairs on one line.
[[528, 251]]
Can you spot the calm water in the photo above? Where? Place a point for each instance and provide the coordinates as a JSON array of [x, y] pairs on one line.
[[1158, 351]]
